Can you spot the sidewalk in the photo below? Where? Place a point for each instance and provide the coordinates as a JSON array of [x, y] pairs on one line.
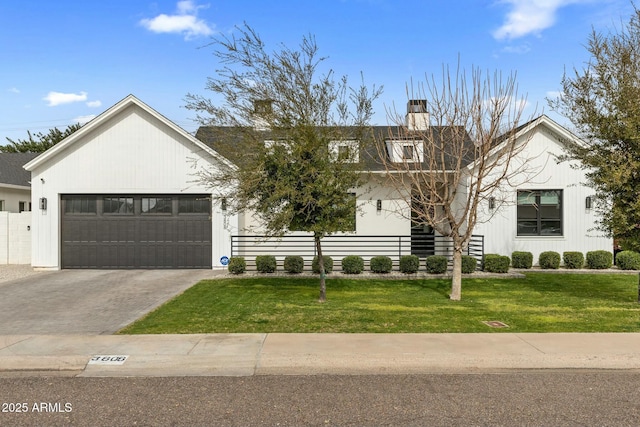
[[312, 354]]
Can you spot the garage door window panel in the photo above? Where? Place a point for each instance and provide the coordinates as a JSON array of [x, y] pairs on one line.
[[80, 205], [117, 206], [194, 205], [156, 205]]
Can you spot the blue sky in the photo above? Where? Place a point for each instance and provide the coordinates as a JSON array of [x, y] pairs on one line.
[[66, 61]]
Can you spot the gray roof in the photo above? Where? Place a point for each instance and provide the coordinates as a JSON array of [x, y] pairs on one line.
[[11, 170], [222, 139]]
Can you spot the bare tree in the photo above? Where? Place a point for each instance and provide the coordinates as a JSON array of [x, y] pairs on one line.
[[455, 150]]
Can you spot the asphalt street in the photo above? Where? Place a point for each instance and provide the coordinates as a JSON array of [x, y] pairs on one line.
[[529, 398]]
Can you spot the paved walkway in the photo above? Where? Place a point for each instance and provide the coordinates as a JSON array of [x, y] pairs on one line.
[[312, 354]]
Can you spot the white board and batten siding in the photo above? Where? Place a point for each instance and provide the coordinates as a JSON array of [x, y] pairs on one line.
[[133, 152], [578, 222]]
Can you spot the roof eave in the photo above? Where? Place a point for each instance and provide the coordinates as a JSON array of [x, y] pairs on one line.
[[15, 187]]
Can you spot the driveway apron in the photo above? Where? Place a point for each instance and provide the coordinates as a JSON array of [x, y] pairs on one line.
[[88, 301]]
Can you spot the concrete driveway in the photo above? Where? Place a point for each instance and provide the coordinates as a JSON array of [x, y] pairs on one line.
[[88, 301]]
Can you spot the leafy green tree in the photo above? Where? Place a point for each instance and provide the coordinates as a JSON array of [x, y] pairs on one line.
[[39, 142], [278, 119], [602, 100]]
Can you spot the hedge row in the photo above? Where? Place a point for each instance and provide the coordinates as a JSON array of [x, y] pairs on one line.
[[353, 264], [437, 264], [595, 260]]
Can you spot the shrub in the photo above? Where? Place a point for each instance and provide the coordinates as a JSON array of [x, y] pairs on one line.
[[469, 264], [521, 259], [381, 264], [293, 264], [237, 265], [599, 260], [549, 260], [494, 263], [436, 264], [266, 263], [628, 260], [328, 264], [409, 264], [573, 259], [352, 264]]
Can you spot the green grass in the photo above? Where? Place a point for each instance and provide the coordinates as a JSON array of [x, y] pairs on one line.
[[538, 303]]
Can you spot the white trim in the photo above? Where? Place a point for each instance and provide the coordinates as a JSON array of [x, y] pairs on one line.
[[15, 187]]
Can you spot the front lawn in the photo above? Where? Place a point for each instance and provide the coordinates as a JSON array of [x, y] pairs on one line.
[[541, 302]]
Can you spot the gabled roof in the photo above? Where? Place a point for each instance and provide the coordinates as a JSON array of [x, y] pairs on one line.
[[221, 139], [562, 134], [12, 172], [125, 103]]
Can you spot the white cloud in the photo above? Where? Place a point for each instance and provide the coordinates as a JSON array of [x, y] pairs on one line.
[[530, 17], [14, 90], [517, 49], [185, 22], [94, 104], [59, 98], [84, 119]]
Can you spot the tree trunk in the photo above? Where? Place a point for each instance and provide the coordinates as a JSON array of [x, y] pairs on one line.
[[456, 279], [323, 283]]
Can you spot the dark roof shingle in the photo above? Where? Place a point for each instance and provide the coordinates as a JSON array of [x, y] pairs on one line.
[[12, 171], [221, 139]]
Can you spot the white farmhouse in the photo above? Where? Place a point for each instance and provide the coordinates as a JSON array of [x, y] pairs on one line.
[[121, 192]]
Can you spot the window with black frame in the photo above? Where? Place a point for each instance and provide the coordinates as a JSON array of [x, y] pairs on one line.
[[539, 213]]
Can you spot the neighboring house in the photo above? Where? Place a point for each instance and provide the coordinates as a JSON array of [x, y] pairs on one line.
[[121, 192], [15, 182]]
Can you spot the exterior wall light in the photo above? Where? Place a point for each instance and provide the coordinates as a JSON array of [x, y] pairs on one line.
[[492, 203], [223, 204], [378, 205], [588, 202], [43, 203]]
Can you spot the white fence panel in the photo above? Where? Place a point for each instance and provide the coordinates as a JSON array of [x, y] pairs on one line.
[[15, 238]]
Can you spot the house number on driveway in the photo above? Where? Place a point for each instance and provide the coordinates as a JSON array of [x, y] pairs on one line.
[[108, 360]]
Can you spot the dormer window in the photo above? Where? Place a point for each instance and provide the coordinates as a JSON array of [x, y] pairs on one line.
[[405, 151], [345, 151], [271, 145]]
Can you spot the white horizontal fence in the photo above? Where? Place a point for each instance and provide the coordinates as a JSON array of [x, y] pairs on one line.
[[15, 238], [338, 246]]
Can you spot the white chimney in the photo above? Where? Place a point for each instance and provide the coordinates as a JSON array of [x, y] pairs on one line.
[[262, 110], [417, 116]]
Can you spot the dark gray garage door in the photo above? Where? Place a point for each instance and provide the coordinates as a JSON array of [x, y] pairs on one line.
[[136, 231]]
